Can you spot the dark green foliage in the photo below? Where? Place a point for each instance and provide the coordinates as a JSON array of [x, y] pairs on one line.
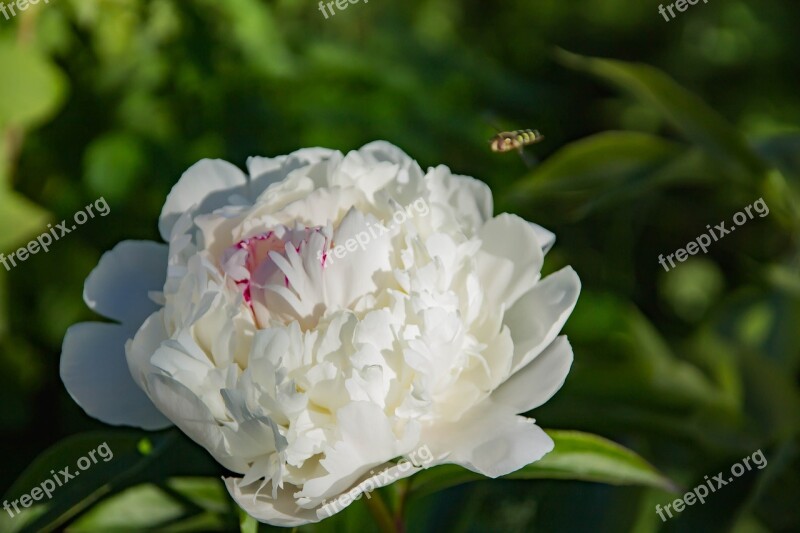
[[690, 122]]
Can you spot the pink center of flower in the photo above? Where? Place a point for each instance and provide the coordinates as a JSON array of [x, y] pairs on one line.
[[248, 261], [256, 251]]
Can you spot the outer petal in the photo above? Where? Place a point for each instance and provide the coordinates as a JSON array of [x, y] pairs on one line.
[[140, 349], [264, 171], [118, 286], [545, 237], [537, 382], [95, 373], [510, 259], [539, 315], [490, 440], [206, 186], [181, 406], [285, 512]]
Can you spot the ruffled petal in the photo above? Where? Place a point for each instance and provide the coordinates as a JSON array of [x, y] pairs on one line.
[[357, 452], [382, 151], [264, 171], [471, 199], [95, 373], [284, 511]]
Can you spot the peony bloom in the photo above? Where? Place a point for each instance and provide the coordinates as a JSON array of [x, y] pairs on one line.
[[314, 322]]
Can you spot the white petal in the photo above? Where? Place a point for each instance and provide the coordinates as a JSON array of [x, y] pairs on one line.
[[385, 151], [118, 286], [409, 183], [207, 185], [264, 171], [96, 375], [384, 476], [358, 451], [140, 349], [469, 198], [539, 315], [510, 259], [545, 237], [283, 511], [537, 382], [489, 440], [191, 415]]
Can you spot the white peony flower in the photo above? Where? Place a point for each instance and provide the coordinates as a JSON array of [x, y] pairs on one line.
[[310, 377]]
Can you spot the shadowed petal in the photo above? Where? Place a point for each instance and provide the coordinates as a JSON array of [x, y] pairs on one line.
[[192, 417], [206, 186], [490, 440], [264, 171], [510, 259], [118, 286], [537, 382], [545, 237], [539, 315], [284, 510], [96, 375]]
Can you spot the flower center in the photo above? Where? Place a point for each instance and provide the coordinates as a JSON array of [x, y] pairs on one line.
[[251, 265], [243, 259]]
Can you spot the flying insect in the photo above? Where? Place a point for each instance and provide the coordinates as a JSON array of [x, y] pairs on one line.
[[505, 141]]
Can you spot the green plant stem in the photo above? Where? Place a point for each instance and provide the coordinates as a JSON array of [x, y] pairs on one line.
[[381, 513], [403, 488]]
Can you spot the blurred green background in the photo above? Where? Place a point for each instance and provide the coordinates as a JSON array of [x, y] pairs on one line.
[[693, 120]]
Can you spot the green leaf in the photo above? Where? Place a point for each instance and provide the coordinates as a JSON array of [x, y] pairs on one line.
[[576, 456], [248, 524], [84, 490], [33, 92], [183, 504], [134, 509], [633, 360], [20, 219], [587, 457], [599, 169], [688, 113]]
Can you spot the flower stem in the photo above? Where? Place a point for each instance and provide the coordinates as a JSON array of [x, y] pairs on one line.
[[380, 512], [403, 488]]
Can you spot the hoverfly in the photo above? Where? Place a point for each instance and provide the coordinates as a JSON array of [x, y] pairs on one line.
[[506, 141]]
